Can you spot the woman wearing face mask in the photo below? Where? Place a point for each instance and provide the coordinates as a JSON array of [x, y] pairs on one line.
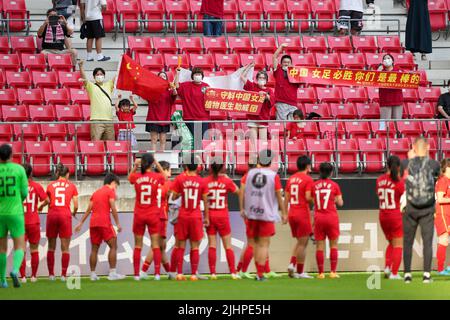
[[160, 111], [259, 129], [192, 94], [391, 100]]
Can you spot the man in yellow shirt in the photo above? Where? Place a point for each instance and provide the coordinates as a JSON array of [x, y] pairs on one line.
[[100, 93]]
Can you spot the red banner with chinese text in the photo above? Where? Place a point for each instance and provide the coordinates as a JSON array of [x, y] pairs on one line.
[[350, 77], [233, 101]]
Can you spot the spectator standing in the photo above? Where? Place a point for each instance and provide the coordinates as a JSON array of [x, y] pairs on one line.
[[125, 112], [91, 16], [420, 205], [55, 34], [418, 28], [285, 92], [350, 10], [160, 110], [443, 105], [100, 96], [212, 11]]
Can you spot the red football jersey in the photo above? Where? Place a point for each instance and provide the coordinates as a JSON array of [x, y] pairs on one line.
[[389, 194], [191, 189], [61, 193], [218, 194], [101, 209], [162, 199], [36, 194], [443, 185], [146, 186], [297, 186], [324, 193]]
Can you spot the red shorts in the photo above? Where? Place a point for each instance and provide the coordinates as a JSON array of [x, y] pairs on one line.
[[326, 227], [258, 228], [163, 228], [300, 226], [59, 225], [100, 234], [219, 225], [189, 228], [33, 233], [151, 222], [392, 226], [441, 220]]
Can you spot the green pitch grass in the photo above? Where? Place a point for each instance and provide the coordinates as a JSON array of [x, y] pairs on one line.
[[349, 286]]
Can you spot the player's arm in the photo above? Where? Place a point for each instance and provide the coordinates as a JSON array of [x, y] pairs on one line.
[[206, 206], [112, 204], [241, 200], [85, 216], [281, 204], [244, 72], [75, 205], [116, 105], [339, 200], [309, 198], [276, 54], [44, 204], [82, 11], [82, 72], [135, 106], [23, 186]]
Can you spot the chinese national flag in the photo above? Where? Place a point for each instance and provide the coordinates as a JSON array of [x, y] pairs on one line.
[[144, 83]]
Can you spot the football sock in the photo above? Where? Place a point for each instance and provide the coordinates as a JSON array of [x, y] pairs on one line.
[[299, 268], [319, 259], [212, 260], [333, 259], [2, 267], [65, 258], [157, 260], [23, 267], [174, 260], [293, 260], [180, 260], [195, 258], [145, 266], [230, 260], [260, 270], [51, 262], [166, 266], [267, 266], [137, 260], [34, 263], [239, 266], [248, 255], [396, 259], [17, 260], [441, 252], [388, 263]]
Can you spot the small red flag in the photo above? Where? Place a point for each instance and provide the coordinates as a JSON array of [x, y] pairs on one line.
[[133, 77]]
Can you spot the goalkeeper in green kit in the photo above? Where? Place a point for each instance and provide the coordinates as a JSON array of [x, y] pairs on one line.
[[13, 191]]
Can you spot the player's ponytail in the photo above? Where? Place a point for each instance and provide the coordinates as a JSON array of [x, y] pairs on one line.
[[216, 168], [146, 162], [395, 169], [61, 171]]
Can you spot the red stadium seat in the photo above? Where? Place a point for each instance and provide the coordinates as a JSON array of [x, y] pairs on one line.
[[373, 94], [329, 129], [310, 130], [347, 155], [340, 44], [328, 60], [82, 131], [298, 10], [79, 96], [264, 44], [118, 156], [293, 42], [238, 44], [445, 147], [231, 12], [86, 112], [139, 44], [398, 147], [275, 10], [368, 110], [153, 62], [60, 62], [244, 152], [320, 150], [218, 115], [6, 132], [329, 95], [215, 44], [40, 157], [190, 44], [204, 61], [354, 94], [56, 96], [41, 113], [30, 96], [7, 96], [364, 44], [306, 95], [352, 60], [357, 129], [70, 79], [294, 149], [171, 60], [372, 155], [405, 61], [165, 44], [109, 16], [343, 111], [420, 111], [323, 109], [4, 43], [154, 10], [2, 80], [10, 61], [429, 94], [54, 131], [16, 11], [227, 61], [43, 79], [438, 11], [257, 58], [27, 132], [389, 44], [33, 61], [373, 60], [303, 59], [321, 11], [21, 44], [424, 82], [434, 128], [195, 7], [14, 113], [93, 157], [214, 149], [388, 130], [128, 10], [251, 10], [225, 128], [409, 128], [178, 10], [68, 113], [314, 44], [18, 151], [64, 152], [18, 79], [410, 95]]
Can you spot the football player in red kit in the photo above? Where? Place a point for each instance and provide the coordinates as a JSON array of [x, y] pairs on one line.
[[297, 199], [327, 195], [147, 211], [219, 186], [61, 193], [192, 189], [36, 194], [442, 216], [390, 188], [102, 205]]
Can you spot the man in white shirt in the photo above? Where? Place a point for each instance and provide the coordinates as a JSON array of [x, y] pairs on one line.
[[91, 16], [350, 15]]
